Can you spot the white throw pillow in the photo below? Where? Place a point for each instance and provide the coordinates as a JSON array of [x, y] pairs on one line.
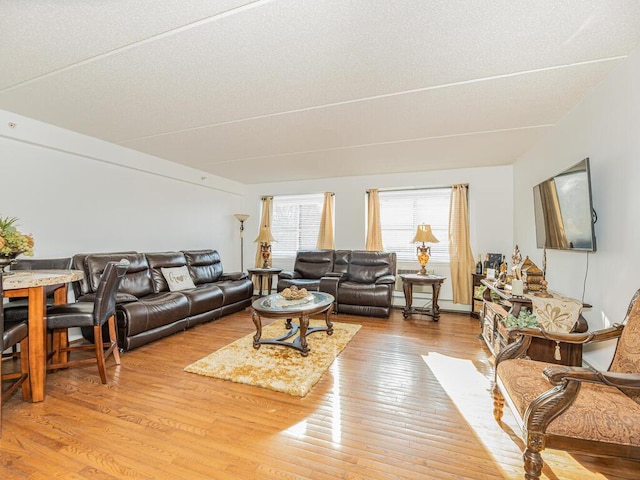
[[178, 278]]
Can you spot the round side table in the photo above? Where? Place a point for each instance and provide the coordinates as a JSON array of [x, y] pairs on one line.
[[264, 274]]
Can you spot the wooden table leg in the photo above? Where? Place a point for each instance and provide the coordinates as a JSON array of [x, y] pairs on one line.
[[304, 326], [434, 302], [60, 338], [257, 321], [269, 283], [407, 288], [37, 343]]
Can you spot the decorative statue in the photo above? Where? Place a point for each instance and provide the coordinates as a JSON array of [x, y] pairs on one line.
[[516, 258]]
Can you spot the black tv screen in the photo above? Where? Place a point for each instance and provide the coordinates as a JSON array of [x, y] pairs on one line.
[[563, 210]]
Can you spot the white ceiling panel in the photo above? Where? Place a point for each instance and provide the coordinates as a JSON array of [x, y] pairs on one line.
[[509, 103], [42, 36], [490, 149], [202, 83]]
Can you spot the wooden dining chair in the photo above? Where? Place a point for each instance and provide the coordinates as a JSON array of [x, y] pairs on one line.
[[13, 335], [94, 314]]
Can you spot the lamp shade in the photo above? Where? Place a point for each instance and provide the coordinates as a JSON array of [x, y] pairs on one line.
[[424, 234], [241, 216], [265, 236]]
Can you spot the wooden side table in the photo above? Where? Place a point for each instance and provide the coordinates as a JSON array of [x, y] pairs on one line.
[[411, 279], [264, 274]]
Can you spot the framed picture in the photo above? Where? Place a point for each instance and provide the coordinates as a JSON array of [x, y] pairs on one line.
[[495, 259]]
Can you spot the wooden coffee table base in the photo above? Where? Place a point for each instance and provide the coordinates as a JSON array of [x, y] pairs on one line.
[[300, 342]]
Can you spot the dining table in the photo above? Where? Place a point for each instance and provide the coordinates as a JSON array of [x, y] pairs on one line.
[[33, 284]]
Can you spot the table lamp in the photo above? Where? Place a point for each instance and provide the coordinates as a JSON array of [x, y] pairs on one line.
[[424, 234], [265, 239]]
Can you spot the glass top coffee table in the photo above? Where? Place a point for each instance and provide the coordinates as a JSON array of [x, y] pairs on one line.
[[276, 306]]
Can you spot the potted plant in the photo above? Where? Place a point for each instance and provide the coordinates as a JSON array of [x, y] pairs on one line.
[[13, 242]]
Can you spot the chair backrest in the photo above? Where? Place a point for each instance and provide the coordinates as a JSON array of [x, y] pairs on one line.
[[313, 264], [63, 263], [626, 358], [105, 301], [367, 267]]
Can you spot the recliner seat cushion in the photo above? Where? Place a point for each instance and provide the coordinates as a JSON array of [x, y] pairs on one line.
[[153, 311], [309, 284], [204, 298], [369, 294], [235, 291]]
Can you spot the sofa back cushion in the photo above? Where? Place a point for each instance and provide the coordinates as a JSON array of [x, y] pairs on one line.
[[366, 267], [205, 265], [159, 260], [341, 261], [137, 281], [83, 286]]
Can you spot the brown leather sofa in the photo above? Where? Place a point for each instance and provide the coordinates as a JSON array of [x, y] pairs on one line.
[[362, 282], [147, 310]]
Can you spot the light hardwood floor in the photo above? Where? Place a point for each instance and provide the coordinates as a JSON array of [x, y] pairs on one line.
[[406, 399]]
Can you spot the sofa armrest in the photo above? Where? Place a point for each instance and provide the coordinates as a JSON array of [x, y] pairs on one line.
[[329, 284], [334, 274], [558, 375], [386, 280], [289, 274], [233, 276]]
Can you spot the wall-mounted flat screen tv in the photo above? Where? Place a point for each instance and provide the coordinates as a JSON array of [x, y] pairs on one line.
[[564, 212]]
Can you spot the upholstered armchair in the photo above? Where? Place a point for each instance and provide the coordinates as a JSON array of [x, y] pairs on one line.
[[573, 408]]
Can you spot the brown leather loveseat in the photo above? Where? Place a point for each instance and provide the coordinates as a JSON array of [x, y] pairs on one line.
[[146, 308], [362, 282]]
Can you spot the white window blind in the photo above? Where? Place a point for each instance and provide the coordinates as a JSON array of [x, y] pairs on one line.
[[295, 223], [401, 211]]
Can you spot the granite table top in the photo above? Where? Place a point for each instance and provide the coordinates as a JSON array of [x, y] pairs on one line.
[[39, 278]]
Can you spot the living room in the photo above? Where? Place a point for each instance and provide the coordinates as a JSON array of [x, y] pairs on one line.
[[77, 193]]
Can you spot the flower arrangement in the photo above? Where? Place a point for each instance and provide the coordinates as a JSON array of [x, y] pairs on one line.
[[12, 241]]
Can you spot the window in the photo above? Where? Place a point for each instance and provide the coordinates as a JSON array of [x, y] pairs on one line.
[[296, 223], [401, 211]]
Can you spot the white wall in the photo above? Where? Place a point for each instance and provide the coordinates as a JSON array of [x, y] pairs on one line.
[[490, 210], [605, 128], [78, 194]]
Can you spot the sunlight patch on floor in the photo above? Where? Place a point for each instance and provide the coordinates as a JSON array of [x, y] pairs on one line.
[[470, 391], [299, 430]]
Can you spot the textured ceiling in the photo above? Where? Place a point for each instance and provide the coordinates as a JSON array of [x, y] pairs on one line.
[[261, 91]]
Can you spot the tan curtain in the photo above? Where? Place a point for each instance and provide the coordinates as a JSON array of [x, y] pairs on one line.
[[462, 264], [265, 227], [374, 230], [326, 237]]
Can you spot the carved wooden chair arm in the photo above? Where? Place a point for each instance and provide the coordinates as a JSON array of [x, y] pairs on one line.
[[577, 338], [557, 375], [523, 336]]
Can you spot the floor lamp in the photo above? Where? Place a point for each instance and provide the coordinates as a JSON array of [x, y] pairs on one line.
[[241, 218]]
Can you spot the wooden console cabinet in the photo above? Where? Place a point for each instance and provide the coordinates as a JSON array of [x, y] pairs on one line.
[[494, 332], [476, 300]]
